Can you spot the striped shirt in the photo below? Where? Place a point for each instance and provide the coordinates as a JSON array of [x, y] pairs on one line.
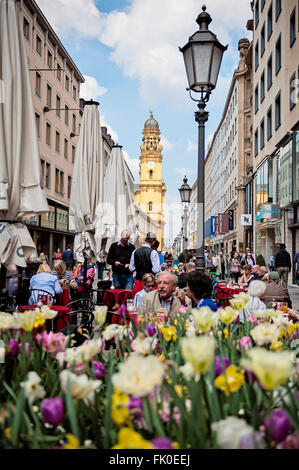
[[66, 276]]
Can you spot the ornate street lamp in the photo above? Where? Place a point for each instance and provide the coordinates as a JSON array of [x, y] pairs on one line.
[[185, 193], [202, 55]]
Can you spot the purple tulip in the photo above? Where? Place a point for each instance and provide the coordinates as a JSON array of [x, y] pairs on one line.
[[135, 403], [297, 393], [123, 311], [27, 348], [250, 377], [12, 348], [98, 369], [150, 329], [278, 425], [295, 335], [252, 441], [221, 364], [162, 443], [52, 410], [291, 442]]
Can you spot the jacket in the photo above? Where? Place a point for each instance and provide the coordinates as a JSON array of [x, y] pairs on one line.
[[151, 303], [68, 257], [274, 290], [283, 259], [44, 281]]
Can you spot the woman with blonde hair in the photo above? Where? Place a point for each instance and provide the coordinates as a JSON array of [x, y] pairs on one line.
[[66, 278], [149, 284], [43, 282]]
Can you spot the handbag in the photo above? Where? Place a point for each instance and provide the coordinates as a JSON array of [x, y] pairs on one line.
[[234, 268]]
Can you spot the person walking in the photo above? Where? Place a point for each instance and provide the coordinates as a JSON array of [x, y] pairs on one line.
[[283, 263], [221, 264], [209, 263], [68, 257], [247, 258], [119, 256], [296, 261], [235, 267], [101, 262], [155, 246], [144, 260]]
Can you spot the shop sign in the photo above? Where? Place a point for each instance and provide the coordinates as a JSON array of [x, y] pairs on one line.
[[246, 220]]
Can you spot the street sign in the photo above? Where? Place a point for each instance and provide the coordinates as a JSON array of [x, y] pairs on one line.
[[246, 219]]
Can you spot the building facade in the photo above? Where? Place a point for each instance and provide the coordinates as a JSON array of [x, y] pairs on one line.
[[275, 183], [150, 193], [227, 163]]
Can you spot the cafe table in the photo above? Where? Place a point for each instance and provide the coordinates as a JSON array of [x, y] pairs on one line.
[[225, 292]]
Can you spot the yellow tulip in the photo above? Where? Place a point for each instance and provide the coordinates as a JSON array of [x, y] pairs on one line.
[[169, 333], [228, 315], [72, 442], [26, 320], [199, 351], [230, 381], [204, 318], [130, 439], [239, 301]]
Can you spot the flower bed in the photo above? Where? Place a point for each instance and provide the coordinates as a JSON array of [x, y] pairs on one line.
[[203, 380]]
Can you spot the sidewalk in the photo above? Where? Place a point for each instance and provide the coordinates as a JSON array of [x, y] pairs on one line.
[[294, 294]]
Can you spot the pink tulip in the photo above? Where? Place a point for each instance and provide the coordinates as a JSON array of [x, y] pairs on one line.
[[245, 343], [51, 342]]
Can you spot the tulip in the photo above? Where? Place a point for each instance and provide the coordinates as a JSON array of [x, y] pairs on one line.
[[12, 348], [98, 369], [162, 443], [136, 404], [52, 410], [221, 363], [278, 425], [123, 311], [245, 342], [252, 441], [150, 329], [291, 442]]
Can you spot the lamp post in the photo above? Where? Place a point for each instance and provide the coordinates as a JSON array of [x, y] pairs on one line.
[[185, 193], [202, 56]]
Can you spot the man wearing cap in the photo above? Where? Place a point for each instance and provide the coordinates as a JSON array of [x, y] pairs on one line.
[[145, 260], [274, 290]]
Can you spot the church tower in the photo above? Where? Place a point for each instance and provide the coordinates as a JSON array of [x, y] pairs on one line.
[[151, 192]]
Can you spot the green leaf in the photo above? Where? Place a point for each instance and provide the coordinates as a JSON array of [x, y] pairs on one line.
[[17, 418], [10, 391], [71, 411]]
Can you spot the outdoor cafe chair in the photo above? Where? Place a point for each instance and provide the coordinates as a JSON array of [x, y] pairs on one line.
[[109, 300], [123, 296]]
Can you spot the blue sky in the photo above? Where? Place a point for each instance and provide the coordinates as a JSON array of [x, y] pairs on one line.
[[128, 51]]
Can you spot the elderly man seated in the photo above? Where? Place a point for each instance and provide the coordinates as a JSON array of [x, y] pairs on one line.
[[164, 301], [274, 290], [182, 279]]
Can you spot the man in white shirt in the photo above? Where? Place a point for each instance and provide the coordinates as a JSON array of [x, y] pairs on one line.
[[145, 260]]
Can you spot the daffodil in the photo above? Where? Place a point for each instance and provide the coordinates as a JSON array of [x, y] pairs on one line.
[[169, 333], [32, 387], [226, 333], [204, 318], [40, 320], [7, 433], [119, 408], [231, 380], [199, 351], [276, 346], [271, 368], [72, 442], [292, 328], [227, 315], [130, 439]]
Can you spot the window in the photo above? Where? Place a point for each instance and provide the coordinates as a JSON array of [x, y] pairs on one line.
[[48, 134], [269, 123], [47, 176], [262, 135], [263, 40], [278, 111], [38, 45], [73, 153], [278, 55], [256, 55], [277, 8], [50, 60], [38, 79], [69, 186], [256, 13], [49, 96], [293, 91], [37, 122], [26, 28], [262, 87], [59, 182], [293, 27], [66, 115], [256, 100], [74, 93], [270, 21], [57, 141], [42, 172], [66, 148], [150, 206], [262, 4], [67, 83], [58, 72], [58, 105], [269, 72], [151, 174], [74, 123], [256, 143]]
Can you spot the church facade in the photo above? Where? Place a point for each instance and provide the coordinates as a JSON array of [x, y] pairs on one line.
[[150, 193]]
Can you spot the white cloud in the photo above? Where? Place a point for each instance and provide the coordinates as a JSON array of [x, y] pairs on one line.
[[144, 38], [133, 164], [110, 131], [91, 89], [191, 146], [165, 143]]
